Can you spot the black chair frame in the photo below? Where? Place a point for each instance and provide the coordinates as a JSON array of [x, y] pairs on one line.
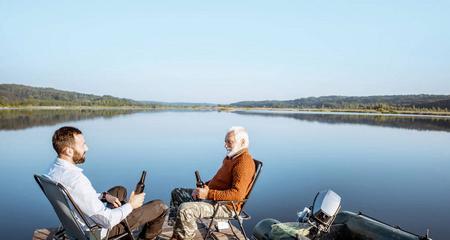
[[241, 215], [61, 233]]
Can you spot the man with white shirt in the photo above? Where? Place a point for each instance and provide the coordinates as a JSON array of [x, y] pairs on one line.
[[71, 148]]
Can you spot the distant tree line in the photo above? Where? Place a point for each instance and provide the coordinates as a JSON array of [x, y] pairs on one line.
[[20, 95], [422, 102], [14, 95]]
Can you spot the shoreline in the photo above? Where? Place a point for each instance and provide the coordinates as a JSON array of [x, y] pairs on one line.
[[341, 111], [234, 109], [105, 108]]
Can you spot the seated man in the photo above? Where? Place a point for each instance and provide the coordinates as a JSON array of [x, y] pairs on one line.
[[231, 182], [71, 148]]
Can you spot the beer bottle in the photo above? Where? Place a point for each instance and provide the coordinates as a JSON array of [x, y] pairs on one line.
[[140, 185], [199, 183]]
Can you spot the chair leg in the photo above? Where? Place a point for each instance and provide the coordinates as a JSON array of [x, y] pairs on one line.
[[241, 226], [239, 219], [232, 229], [60, 233], [128, 229], [208, 231]]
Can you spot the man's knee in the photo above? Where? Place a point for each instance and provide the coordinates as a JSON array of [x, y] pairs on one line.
[[173, 192], [186, 212], [119, 192], [158, 205], [180, 195]]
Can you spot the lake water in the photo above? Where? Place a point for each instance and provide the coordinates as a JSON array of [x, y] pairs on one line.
[[394, 168]]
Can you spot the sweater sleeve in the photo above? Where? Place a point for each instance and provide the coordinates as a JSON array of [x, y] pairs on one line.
[[242, 173]]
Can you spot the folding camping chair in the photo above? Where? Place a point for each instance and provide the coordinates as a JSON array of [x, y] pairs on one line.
[[241, 215], [61, 201]]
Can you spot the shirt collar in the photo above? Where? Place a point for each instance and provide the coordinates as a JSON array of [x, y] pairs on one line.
[[67, 165]]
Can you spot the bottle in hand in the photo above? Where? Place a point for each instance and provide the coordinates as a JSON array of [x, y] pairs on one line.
[[141, 185], [199, 182]]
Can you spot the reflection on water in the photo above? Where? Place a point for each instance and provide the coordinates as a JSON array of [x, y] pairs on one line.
[[397, 175], [22, 119], [394, 121]]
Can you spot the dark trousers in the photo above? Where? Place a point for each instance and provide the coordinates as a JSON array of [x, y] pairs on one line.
[[150, 216]]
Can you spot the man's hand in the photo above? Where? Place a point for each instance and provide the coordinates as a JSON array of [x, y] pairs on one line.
[[136, 200], [113, 200], [195, 194], [202, 193]]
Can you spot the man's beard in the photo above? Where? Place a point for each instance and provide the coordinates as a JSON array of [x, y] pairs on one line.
[[79, 158], [232, 151]]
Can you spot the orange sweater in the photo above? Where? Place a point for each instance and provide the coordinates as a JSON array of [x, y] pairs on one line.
[[232, 180]]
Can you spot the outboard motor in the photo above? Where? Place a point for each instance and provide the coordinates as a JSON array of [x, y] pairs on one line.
[[325, 207], [311, 223]]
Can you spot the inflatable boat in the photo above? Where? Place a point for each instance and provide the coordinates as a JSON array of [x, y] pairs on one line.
[[324, 221]]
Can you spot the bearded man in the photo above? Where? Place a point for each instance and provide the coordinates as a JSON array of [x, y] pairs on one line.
[[70, 145], [231, 182]]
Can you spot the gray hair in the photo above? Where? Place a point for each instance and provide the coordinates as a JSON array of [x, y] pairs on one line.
[[239, 134]]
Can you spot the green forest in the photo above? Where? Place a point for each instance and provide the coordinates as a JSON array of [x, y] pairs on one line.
[[387, 103], [13, 95]]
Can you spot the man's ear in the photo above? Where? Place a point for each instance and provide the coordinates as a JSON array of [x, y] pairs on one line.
[[242, 142], [68, 151]]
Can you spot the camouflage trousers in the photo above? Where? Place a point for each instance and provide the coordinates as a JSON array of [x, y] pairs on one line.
[[185, 210]]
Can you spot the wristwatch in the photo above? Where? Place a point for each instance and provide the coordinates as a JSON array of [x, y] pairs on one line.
[[103, 198]]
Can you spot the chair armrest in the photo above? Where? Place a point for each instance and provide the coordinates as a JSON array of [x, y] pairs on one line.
[[245, 215], [222, 202], [241, 214]]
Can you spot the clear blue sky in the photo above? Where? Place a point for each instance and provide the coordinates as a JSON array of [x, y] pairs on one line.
[[226, 51]]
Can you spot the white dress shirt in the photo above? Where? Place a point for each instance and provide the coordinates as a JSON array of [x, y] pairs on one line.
[[85, 196]]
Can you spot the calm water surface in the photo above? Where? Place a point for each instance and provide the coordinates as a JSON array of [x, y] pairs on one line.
[[392, 168]]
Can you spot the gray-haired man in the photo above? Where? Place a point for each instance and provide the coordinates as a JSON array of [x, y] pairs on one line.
[[231, 182]]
